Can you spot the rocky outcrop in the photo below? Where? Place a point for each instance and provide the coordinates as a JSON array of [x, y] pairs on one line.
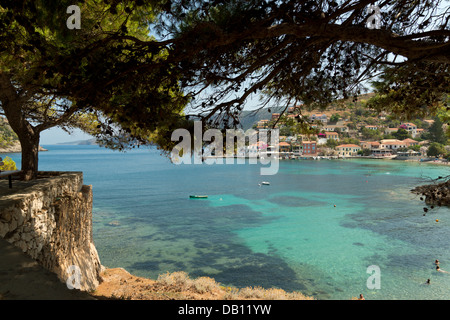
[[50, 219], [16, 148], [435, 194]]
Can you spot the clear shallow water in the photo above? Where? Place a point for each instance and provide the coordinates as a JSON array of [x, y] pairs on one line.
[[315, 229]]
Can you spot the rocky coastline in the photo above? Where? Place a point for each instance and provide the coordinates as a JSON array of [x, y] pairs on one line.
[[435, 194], [16, 148]]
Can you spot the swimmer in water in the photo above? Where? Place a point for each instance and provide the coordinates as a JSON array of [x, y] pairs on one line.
[[439, 269]]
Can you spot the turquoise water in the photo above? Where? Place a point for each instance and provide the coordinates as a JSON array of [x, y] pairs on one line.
[[315, 229]]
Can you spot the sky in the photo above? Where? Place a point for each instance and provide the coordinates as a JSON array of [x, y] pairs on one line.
[[57, 135]]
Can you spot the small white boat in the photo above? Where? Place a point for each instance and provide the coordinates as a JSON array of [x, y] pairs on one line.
[[265, 183]]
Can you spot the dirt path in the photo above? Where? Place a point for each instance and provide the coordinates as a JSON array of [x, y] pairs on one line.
[[22, 278]]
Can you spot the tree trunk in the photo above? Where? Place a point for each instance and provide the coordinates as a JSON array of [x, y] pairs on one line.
[[12, 105], [30, 153]]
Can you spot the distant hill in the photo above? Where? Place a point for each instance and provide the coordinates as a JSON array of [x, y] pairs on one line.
[[80, 142], [249, 118]]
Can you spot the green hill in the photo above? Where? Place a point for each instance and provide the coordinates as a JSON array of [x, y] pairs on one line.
[[9, 142], [249, 118], [8, 137]]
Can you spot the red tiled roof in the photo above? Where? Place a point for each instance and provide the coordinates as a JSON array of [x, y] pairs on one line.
[[348, 146], [393, 142], [372, 143]]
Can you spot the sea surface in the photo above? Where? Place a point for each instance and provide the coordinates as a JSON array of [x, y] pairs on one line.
[[318, 228]]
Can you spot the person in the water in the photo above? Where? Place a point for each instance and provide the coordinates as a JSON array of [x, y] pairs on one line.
[[440, 270]]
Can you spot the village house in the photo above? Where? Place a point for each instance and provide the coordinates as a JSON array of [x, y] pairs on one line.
[[381, 152], [319, 117], [370, 145], [284, 146], [262, 124], [392, 144], [296, 148], [331, 128], [321, 139], [346, 150], [332, 136], [371, 127], [410, 127], [376, 148], [309, 148], [390, 130], [410, 142]]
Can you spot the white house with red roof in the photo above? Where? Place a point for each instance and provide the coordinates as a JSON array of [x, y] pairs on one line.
[[410, 127]]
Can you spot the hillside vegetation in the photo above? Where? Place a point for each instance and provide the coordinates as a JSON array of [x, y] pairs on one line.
[[342, 108], [8, 138], [9, 142]]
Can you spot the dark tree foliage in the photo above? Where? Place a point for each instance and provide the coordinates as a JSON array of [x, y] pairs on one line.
[[104, 78], [310, 52]]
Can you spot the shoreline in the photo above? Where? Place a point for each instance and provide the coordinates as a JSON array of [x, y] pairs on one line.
[[119, 284], [16, 148]]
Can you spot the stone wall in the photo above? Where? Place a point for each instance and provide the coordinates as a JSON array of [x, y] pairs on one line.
[[50, 219]]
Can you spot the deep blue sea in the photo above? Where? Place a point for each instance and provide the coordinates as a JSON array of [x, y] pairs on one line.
[[316, 228]]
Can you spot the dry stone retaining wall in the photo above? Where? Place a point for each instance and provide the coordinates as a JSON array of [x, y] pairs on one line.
[[51, 220]]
